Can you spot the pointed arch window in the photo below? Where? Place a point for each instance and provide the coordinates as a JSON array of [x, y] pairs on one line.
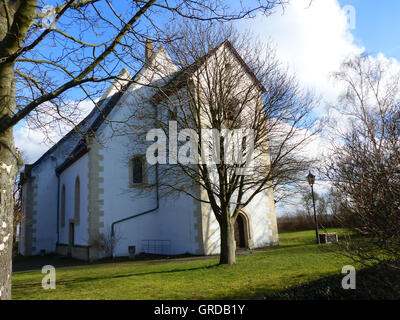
[[231, 110], [63, 206], [77, 204]]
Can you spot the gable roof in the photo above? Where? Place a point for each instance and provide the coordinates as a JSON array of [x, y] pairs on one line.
[[80, 128], [96, 117], [82, 148], [245, 66], [180, 79], [88, 125]]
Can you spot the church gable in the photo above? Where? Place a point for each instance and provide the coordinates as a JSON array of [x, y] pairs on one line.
[[108, 175]]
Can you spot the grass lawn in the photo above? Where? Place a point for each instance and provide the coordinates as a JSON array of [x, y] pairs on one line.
[[296, 261]]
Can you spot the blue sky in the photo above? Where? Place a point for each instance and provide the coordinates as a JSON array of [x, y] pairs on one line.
[[377, 25]]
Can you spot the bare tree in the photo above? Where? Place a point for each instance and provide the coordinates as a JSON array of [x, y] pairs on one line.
[[74, 47], [306, 207], [215, 93], [106, 242], [303, 216], [365, 169]]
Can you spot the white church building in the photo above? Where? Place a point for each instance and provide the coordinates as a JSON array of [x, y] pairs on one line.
[[88, 186]]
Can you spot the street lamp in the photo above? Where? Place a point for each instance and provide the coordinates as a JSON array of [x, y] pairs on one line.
[[311, 180]]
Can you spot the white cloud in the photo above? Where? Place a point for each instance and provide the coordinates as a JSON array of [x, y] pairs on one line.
[[311, 40]]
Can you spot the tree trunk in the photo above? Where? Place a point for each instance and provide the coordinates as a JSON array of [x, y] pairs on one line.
[[228, 244], [9, 162], [8, 172]]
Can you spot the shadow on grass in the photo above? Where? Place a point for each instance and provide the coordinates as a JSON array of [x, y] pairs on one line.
[[31, 263], [21, 264], [115, 276], [37, 262], [372, 283]]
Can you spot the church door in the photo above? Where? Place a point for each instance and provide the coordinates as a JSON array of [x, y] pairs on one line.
[[239, 232]]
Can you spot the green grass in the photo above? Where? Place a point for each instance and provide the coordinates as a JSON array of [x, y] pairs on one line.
[[296, 261]]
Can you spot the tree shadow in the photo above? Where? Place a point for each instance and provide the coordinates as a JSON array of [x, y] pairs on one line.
[[372, 283], [21, 264], [116, 276]]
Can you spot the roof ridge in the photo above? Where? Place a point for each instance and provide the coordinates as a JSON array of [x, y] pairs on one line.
[[191, 68], [67, 135], [98, 107]]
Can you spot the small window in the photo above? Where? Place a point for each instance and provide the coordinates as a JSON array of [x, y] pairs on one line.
[[231, 110], [228, 68], [137, 170], [244, 144]]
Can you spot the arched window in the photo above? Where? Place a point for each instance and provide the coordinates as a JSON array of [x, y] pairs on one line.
[[231, 109], [63, 206], [137, 170], [77, 208]]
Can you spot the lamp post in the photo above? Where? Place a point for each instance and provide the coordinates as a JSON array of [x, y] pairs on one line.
[[311, 180]]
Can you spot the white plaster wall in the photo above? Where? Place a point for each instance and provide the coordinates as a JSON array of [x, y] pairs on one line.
[[68, 178], [46, 207], [261, 225], [46, 192], [173, 222], [259, 211], [211, 231]]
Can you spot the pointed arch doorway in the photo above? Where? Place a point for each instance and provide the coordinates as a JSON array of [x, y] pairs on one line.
[[241, 234]]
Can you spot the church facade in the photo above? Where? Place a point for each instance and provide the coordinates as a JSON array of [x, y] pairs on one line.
[[83, 197]]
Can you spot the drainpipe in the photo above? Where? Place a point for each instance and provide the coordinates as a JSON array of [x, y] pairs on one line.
[[58, 208], [141, 213]]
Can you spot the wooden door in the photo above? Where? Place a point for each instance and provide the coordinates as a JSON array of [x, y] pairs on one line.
[[239, 232]]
